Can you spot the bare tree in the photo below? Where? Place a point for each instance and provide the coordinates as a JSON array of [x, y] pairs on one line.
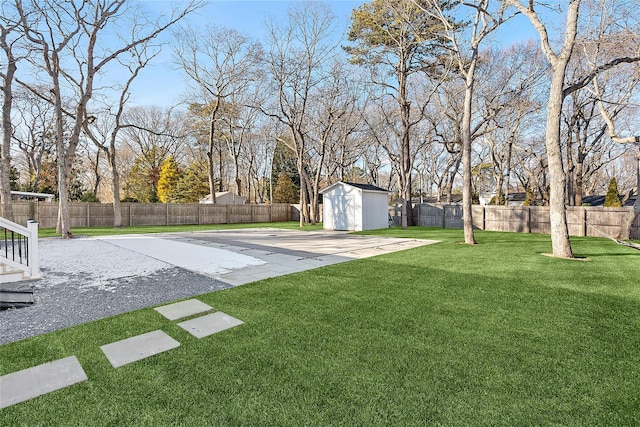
[[221, 63], [558, 92], [104, 131], [9, 36], [153, 134], [34, 132], [509, 99], [396, 38], [70, 47], [484, 22], [627, 222], [295, 60]]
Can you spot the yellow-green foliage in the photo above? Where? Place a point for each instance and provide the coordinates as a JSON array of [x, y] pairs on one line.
[[169, 176], [530, 199], [612, 200], [285, 190]]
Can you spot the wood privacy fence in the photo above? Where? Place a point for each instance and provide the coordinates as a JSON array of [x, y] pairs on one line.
[[101, 214], [582, 220]]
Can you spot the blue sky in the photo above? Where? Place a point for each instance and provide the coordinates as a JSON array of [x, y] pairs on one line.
[[162, 84]]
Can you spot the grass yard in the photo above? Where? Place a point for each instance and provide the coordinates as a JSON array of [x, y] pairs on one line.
[[446, 334]]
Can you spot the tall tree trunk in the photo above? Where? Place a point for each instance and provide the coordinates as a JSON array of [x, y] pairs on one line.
[[63, 227], [210, 163], [405, 145], [117, 214], [467, 199], [579, 188], [6, 208], [571, 201], [507, 182], [557, 179]]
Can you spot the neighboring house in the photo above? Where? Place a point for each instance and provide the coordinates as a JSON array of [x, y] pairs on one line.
[[26, 195], [224, 198], [628, 200], [516, 199], [455, 199], [354, 207], [485, 198]]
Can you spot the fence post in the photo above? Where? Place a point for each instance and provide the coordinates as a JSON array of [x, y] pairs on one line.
[[584, 221], [34, 257], [444, 216], [88, 216], [166, 214], [529, 220]]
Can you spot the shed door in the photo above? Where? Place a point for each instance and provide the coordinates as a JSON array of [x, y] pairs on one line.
[[344, 216]]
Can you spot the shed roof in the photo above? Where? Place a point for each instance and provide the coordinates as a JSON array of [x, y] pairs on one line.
[[363, 187]]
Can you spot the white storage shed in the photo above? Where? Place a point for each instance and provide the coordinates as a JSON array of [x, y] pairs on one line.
[[354, 207]]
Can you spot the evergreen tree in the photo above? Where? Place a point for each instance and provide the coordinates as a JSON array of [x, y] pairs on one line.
[[14, 177], [530, 198], [285, 190], [142, 180], [612, 200], [193, 184], [139, 186], [284, 162], [169, 176]]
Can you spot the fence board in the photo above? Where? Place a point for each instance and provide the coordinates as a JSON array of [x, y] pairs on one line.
[[581, 220], [101, 214]]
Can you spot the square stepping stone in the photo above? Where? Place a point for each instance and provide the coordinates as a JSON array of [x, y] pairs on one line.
[[42, 379], [210, 324], [183, 309], [137, 348]]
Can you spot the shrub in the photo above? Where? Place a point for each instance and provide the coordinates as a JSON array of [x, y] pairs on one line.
[[612, 200]]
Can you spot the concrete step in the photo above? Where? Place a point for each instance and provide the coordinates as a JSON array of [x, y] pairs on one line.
[[16, 293], [9, 276]]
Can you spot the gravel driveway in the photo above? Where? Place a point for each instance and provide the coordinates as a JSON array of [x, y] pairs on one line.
[[87, 279]]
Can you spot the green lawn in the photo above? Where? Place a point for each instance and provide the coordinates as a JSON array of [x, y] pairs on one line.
[[446, 334]]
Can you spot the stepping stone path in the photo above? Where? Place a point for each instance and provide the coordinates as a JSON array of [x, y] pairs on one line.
[[42, 379], [136, 348], [204, 326], [180, 310]]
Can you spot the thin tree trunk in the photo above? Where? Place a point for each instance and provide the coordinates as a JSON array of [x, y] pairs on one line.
[[507, 183], [467, 199], [627, 221]]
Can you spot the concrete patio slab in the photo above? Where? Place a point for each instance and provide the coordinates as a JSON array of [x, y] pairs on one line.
[[184, 254], [210, 324], [42, 379], [136, 348], [291, 251], [180, 310]]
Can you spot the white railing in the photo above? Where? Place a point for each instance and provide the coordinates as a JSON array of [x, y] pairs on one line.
[[19, 247]]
